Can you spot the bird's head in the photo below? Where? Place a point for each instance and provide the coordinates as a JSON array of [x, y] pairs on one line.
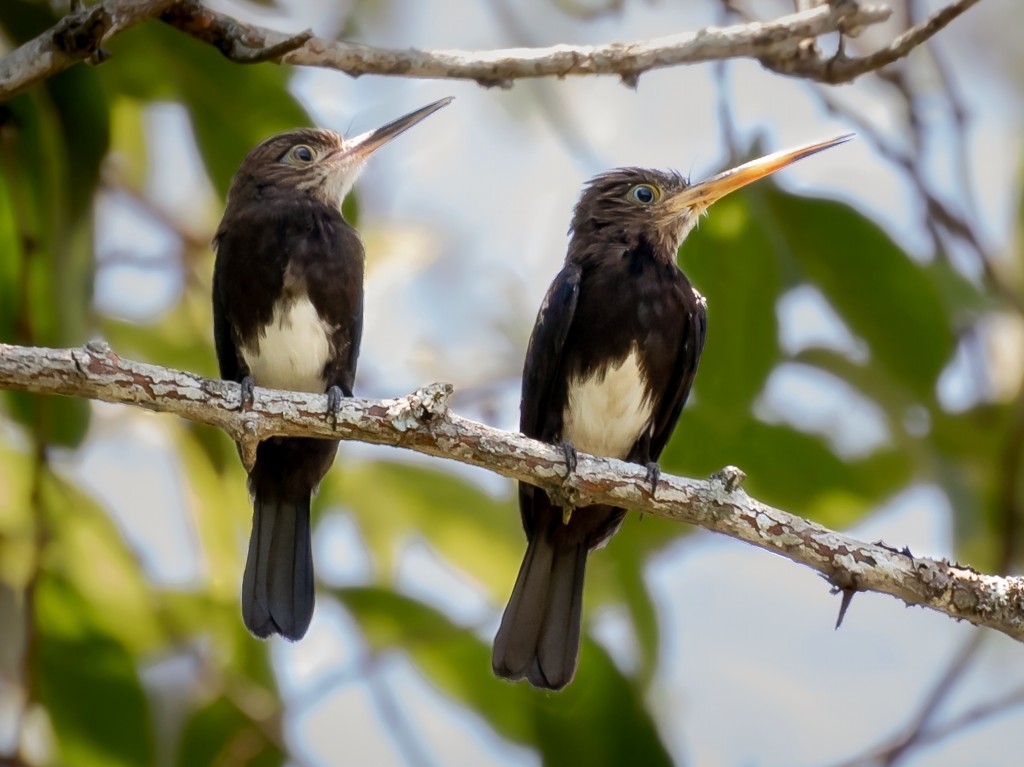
[[316, 161], [627, 205]]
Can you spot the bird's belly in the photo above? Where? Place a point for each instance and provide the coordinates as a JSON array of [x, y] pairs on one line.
[[607, 412], [291, 350]]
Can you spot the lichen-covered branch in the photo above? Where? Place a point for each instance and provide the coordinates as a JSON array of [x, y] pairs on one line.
[[421, 421], [81, 34]]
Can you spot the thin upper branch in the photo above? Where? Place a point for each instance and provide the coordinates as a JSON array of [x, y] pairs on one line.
[[77, 37], [421, 421], [843, 69], [80, 35]]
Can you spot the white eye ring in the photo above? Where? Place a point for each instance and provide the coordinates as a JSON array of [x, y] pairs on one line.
[[645, 194]]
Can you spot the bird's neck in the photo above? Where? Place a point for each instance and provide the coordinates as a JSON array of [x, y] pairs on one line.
[[596, 247]]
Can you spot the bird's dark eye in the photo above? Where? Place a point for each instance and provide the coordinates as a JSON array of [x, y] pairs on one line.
[[301, 154], [644, 194]]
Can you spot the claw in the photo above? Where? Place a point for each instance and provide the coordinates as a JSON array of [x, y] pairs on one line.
[[653, 475], [569, 452], [248, 395], [334, 398]]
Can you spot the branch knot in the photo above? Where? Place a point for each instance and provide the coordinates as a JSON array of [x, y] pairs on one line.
[[730, 478], [420, 407], [80, 33]]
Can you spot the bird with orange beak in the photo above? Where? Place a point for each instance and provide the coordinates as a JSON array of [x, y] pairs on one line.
[[610, 363]]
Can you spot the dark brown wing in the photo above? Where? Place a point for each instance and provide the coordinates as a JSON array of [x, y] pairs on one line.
[[539, 415], [232, 367], [671, 405]]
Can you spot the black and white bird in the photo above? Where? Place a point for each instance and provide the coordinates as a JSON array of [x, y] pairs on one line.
[[610, 363], [288, 314]]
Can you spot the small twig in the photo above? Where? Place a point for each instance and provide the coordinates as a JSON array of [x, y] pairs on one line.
[[943, 687], [973, 716], [842, 69], [921, 732], [397, 723]]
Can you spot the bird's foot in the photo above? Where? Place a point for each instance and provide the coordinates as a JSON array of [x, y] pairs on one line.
[[569, 452], [248, 392], [567, 496], [334, 397], [653, 475]]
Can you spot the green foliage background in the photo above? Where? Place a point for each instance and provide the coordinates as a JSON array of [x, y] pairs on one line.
[[70, 587]]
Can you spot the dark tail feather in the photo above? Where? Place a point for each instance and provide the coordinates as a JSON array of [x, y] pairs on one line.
[[539, 636], [277, 587]]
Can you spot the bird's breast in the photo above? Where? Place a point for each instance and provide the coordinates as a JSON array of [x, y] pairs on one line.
[[291, 350], [608, 409]]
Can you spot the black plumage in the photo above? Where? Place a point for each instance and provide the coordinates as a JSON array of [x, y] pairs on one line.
[[610, 364], [288, 314]]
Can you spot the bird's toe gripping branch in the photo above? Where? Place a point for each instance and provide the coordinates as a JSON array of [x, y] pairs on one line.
[[334, 399], [248, 393], [566, 496], [571, 459], [653, 475], [247, 438]]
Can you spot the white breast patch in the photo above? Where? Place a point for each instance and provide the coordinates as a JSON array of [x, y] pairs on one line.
[[606, 413], [291, 351]]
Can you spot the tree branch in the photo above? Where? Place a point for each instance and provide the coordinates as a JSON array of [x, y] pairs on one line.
[[422, 422], [79, 36], [76, 37], [842, 69]]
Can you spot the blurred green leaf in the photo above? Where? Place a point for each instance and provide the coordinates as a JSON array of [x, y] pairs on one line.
[[963, 300], [88, 683], [24, 19], [52, 140], [219, 734], [873, 381], [628, 562], [181, 338], [787, 468], [232, 108], [729, 261], [599, 719], [969, 453], [477, 533], [883, 296], [221, 515], [89, 551]]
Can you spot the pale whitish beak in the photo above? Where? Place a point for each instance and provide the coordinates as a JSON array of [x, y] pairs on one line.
[[362, 146], [345, 164]]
